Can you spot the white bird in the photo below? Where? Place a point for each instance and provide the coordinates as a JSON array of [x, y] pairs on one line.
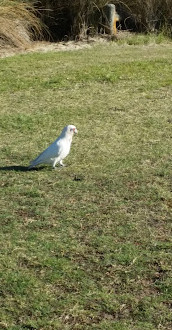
[[58, 150]]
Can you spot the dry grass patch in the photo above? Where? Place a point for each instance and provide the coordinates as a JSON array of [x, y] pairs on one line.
[[18, 24]]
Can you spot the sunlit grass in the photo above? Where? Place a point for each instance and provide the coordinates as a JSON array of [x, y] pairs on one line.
[[87, 246]]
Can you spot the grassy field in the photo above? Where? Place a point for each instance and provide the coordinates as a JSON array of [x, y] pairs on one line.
[[87, 246]]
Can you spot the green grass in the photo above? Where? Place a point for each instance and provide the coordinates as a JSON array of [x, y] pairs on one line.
[[87, 246], [142, 39]]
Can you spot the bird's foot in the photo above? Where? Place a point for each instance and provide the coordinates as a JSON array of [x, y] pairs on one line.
[[61, 164]]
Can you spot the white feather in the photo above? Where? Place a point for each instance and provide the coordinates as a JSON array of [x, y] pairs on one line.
[[58, 150]]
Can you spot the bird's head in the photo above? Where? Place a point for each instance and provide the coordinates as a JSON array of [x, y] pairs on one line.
[[71, 129]]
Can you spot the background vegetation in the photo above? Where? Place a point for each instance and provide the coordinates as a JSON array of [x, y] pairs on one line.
[[76, 18], [87, 246], [142, 16]]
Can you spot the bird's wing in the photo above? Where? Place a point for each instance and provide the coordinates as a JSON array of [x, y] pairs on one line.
[[53, 151]]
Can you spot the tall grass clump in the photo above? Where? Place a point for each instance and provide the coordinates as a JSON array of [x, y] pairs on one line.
[[18, 23]]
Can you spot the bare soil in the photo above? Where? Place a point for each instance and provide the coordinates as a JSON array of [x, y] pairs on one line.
[[44, 47]]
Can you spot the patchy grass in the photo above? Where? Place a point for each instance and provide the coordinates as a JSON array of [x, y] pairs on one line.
[[87, 246]]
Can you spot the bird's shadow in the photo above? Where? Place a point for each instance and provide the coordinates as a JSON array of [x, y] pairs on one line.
[[20, 168]]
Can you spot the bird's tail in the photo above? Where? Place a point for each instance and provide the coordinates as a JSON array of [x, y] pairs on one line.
[[35, 162], [31, 165]]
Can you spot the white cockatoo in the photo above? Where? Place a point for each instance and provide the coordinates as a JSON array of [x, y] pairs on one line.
[[58, 150]]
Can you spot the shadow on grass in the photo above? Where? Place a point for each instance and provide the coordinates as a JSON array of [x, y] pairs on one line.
[[20, 168]]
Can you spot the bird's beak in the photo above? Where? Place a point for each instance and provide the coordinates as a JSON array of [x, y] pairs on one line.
[[75, 130]]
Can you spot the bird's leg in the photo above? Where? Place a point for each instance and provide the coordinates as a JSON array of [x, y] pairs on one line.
[[54, 164], [61, 163]]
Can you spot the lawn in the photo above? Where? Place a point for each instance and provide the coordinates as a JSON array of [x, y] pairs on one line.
[[87, 246]]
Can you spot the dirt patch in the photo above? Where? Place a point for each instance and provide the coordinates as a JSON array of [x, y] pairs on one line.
[[44, 47]]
